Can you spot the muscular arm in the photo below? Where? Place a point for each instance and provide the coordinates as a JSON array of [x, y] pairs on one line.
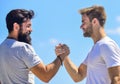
[[114, 73], [46, 73], [77, 74]]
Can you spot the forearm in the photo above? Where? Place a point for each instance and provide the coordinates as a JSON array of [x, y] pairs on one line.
[[72, 69], [61, 51], [46, 73], [115, 80], [52, 68], [114, 73]]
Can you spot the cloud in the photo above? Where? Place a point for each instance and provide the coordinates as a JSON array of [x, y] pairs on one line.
[[118, 18], [53, 41], [115, 31], [44, 43]]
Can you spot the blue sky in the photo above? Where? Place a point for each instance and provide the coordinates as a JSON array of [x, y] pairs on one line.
[[58, 21]]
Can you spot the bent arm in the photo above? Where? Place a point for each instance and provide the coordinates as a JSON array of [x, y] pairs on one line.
[[46, 73], [77, 74], [114, 73]]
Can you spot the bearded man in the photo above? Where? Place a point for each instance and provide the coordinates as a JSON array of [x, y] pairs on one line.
[[18, 60]]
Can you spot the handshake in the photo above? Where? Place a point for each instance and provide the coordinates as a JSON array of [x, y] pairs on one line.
[[62, 50]]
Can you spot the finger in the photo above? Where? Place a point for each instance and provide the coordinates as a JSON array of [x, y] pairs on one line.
[[59, 53], [60, 50], [64, 45], [65, 48], [59, 45]]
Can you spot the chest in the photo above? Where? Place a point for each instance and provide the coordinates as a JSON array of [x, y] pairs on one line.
[[94, 57]]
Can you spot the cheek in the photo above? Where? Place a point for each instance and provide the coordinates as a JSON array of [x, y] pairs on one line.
[[24, 30]]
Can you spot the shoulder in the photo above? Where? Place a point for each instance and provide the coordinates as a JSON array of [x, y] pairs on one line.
[[22, 44], [106, 41], [24, 47], [107, 44]]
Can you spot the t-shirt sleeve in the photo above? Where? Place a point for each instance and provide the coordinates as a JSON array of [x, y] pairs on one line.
[[85, 61], [29, 56], [111, 54]]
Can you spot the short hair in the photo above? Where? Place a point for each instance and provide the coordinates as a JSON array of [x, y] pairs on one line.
[[18, 16], [95, 12]]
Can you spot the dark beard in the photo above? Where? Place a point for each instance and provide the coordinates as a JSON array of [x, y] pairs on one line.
[[24, 37], [89, 31], [87, 34]]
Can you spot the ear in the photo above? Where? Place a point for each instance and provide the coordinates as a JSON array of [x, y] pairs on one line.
[[16, 27], [95, 21]]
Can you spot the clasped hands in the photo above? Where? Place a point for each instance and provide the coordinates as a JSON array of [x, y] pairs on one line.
[[62, 50]]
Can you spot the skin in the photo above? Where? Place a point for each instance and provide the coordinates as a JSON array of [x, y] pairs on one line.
[[42, 71], [94, 30]]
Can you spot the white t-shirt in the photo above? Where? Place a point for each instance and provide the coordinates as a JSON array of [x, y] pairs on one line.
[[104, 54], [16, 58]]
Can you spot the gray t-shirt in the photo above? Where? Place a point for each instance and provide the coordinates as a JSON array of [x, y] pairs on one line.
[[16, 58]]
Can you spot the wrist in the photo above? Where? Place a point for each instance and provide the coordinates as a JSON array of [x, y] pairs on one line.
[[61, 61]]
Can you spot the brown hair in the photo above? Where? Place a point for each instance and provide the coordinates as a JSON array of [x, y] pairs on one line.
[[95, 12]]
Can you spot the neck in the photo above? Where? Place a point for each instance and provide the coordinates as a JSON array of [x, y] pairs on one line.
[[98, 35], [12, 36]]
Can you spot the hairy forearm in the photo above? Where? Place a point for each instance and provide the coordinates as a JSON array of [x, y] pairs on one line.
[[52, 68], [46, 73], [114, 73], [73, 70]]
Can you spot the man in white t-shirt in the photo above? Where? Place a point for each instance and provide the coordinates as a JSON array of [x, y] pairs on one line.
[[102, 64], [18, 60]]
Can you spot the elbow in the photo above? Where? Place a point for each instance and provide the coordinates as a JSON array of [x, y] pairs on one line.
[[46, 79], [76, 80]]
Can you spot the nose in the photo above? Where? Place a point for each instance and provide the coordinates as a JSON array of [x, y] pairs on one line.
[[30, 29], [81, 26]]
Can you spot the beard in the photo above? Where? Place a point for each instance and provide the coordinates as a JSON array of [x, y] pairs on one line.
[[89, 30], [24, 37]]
